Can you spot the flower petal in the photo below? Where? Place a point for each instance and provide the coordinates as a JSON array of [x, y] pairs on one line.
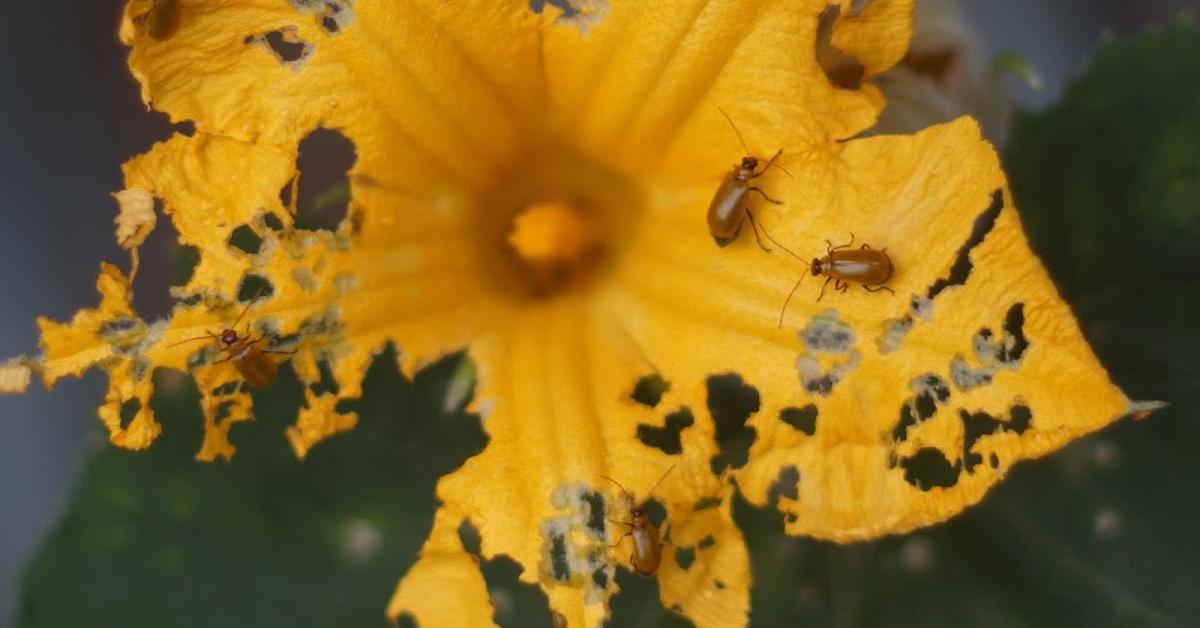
[[845, 417], [14, 376], [444, 587], [878, 36], [556, 394], [439, 87], [632, 86]]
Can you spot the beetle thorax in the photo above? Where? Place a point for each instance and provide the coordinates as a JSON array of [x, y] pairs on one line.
[[745, 170]]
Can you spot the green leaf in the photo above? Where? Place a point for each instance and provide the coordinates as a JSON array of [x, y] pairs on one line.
[[157, 539]]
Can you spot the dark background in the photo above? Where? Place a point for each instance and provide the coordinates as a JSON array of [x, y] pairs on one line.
[[1097, 536]]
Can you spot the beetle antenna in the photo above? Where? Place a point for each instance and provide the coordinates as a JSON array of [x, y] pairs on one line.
[[789, 299], [252, 301], [664, 476], [783, 170], [176, 344], [776, 243], [735, 130], [623, 489]]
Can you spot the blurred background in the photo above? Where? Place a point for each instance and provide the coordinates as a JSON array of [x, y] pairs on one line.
[[1099, 534]]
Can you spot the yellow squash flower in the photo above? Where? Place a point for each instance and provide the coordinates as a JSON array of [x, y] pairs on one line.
[[533, 186]]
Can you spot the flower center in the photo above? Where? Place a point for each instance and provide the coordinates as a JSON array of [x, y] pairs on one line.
[[557, 221], [552, 240]]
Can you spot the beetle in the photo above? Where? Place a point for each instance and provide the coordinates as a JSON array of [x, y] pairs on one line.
[[647, 548], [865, 266], [162, 19], [255, 366], [727, 211]]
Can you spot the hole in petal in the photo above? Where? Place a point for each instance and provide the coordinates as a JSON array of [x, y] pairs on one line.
[[979, 424], [166, 264], [129, 409], [271, 220], [803, 419], [655, 511], [684, 557], [245, 240], [666, 438], [255, 287], [639, 604], [962, 262], [511, 598], [932, 391], [325, 159], [469, 536], [842, 70], [285, 44], [731, 402], [786, 484], [580, 14], [332, 15], [596, 519], [824, 337], [706, 542], [406, 620], [1015, 343], [929, 468], [327, 383], [649, 389]]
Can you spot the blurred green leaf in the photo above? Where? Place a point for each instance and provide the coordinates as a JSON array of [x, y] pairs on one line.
[[157, 539], [1015, 64]]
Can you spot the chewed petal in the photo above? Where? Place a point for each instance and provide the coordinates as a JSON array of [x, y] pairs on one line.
[[441, 87], [14, 376], [845, 382], [557, 391], [876, 37], [318, 420], [445, 586]]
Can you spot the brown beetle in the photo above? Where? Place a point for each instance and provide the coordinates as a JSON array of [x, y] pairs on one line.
[[162, 19], [252, 362], [727, 211], [647, 548], [865, 266]]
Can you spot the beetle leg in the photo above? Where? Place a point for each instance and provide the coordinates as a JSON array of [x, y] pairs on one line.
[[827, 280], [293, 352], [865, 247], [878, 288], [620, 539], [842, 246], [841, 285], [757, 237], [764, 195]]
